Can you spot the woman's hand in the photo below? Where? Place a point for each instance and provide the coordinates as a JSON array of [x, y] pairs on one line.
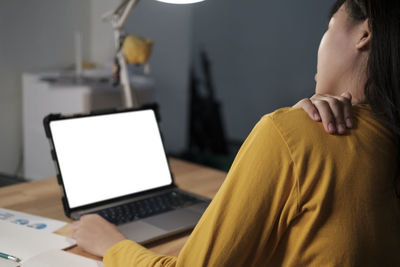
[[333, 111], [96, 235]]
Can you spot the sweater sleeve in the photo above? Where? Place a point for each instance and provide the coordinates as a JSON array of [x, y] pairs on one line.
[[247, 217], [128, 253]]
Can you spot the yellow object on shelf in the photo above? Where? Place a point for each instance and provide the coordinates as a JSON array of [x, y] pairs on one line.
[[136, 50], [88, 65]]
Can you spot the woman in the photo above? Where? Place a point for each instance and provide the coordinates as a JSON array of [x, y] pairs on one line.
[[296, 196]]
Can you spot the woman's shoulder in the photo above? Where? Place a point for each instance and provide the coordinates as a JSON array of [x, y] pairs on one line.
[[285, 113], [292, 126], [296, 121], [292, 120], [301, 133]]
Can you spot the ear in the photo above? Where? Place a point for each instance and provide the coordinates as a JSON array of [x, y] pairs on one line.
[[365, 36]]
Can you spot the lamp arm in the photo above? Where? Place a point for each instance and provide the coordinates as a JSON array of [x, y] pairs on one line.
[[123, 12], [113, 14], [118, 19], [121, 7], [130, 96]]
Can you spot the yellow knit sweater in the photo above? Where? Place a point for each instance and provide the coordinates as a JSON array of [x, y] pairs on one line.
[[296, 196]]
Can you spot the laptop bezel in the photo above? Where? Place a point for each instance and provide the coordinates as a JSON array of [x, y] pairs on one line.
[[57, 117]]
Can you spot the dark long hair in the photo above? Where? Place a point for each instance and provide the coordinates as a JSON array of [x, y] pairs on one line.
[[382, 89]]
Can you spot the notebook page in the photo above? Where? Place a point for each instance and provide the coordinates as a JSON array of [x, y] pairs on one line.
[[24, 242], [60, 258]]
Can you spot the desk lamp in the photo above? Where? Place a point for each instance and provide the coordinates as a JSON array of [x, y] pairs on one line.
[[118, 19]]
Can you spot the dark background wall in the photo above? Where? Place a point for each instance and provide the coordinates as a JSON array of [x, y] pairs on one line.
[[264, 54]]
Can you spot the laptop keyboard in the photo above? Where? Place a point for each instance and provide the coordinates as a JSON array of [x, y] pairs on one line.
[[147, 207]]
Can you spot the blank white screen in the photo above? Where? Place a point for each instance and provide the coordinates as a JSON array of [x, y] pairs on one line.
[[107, 156]]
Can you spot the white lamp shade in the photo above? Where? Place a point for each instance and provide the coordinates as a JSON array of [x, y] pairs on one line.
[[180, 1]]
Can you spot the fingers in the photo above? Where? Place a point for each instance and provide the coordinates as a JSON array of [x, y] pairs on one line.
[[347, 109], [337, 108], [91, 217], [95, 234], [347, 95], [341, 109], [327, 116], [333, 111], [75, 225], [309, 108]]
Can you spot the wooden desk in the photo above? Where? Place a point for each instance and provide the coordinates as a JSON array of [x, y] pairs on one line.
[[43, 198]]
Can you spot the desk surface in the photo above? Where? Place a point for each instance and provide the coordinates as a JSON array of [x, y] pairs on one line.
[[43, 198]]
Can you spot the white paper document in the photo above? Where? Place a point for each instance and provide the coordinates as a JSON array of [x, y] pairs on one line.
[[59, 258], [8, 263], [24, 242], [29, 220]]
